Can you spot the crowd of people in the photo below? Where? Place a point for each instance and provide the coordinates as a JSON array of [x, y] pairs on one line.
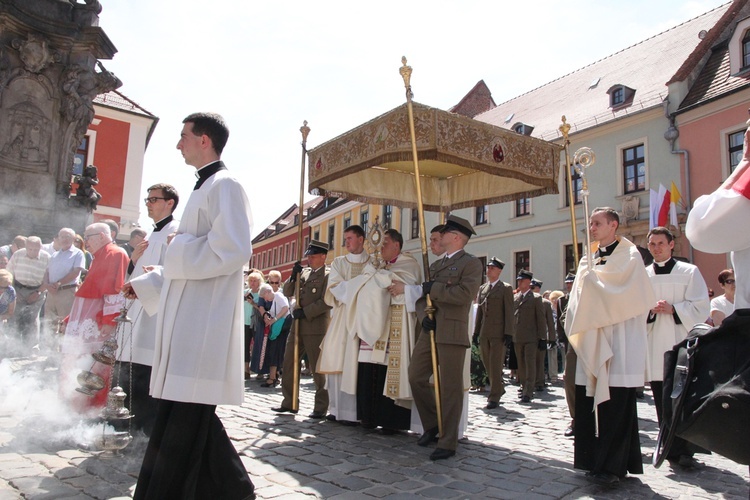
[[389, 345]]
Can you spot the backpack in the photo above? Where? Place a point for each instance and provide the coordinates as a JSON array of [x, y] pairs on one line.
[[707, 390]]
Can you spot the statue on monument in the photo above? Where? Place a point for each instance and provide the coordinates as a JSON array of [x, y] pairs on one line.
[[86, 195], [80, 86]]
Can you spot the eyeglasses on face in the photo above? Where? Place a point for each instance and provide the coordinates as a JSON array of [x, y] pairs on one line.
[[273, 282], [87, 236], [152, 199], [730, 281]]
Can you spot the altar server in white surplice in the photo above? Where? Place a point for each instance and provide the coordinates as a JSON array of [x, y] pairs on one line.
[[682, 302], [137, 345], [606, 325], [339, 346], [198, 360]]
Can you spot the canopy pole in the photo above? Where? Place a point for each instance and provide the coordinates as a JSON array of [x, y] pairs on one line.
[[430, 310], [564, 130], [305, 130]]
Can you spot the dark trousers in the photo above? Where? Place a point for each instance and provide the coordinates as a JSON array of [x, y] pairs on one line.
[[617, 448], [571, 360], [374, 409], [141, 405], [190, 457]]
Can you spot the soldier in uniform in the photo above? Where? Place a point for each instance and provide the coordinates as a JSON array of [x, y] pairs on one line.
[[494, 327], [455, 281], [530, 335], [312, 314]]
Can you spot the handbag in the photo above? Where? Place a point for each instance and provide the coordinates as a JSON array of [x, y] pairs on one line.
[[707, 390], [276, 329]]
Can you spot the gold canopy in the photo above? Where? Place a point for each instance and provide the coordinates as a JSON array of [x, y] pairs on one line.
[[462, 162]]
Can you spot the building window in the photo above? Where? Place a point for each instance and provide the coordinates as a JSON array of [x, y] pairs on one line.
[[364, 219], [331, 233], [617, 97], [735, 148], [81, 156], [316, 234], [414, 223], [521, 261], [570, 262], [523, 129], [523, 207], [262, 260], [634, 169], [482, 215], [746, 50], [307, 242], [273, 260], [387, 216], [293, 247], [347, 223], [286, 252], [577, 186]]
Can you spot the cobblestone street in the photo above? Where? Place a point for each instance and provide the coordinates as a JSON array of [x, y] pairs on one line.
[[515, 451]]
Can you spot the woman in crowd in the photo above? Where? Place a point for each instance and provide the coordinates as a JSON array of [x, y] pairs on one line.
[[723, 305], [253, 314], [275, 319], [7, 296]]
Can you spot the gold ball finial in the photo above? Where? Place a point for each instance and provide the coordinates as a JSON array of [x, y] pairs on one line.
[[564, 128], [305, 131]]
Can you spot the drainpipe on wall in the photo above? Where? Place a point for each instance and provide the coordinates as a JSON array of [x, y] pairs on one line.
[[671, 135]]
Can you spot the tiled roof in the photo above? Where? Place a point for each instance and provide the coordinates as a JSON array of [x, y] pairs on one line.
[[586, 105], [714, 80], [117, 100]]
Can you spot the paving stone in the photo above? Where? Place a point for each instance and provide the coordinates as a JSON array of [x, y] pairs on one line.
[[44, 488], [435, 492]]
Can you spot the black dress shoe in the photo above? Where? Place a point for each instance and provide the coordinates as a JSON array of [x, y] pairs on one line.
[[603, 478], [491, 405], [283, 409], [428, 437], [441, 453], [526, 399], [317, 415], [330, 417], [570, 431]]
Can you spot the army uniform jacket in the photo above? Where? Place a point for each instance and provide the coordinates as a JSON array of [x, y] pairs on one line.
[[494, 311], [456, 283], [312, 289], [531, 321]]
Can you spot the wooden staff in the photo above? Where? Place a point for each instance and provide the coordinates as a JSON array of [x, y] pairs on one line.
[[300, 212], [430, 309]]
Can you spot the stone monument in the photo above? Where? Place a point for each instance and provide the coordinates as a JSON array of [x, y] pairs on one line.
[[50, 72]]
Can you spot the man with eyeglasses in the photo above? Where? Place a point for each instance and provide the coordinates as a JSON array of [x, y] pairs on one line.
[[92, 316], [198, 361], [682, 301], [137, 355]]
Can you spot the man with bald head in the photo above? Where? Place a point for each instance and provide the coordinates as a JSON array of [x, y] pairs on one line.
[[91, 322], [61, 279]]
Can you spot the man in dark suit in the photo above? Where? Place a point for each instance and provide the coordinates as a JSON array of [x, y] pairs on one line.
[[494, 327], [454, 282], [312, 315], [530, 335]]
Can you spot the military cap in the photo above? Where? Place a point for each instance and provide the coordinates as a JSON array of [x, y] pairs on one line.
[[523, 274], [455, 223], [570, 277], [438, 228], [494, 261], [316, 247], [536, 283]]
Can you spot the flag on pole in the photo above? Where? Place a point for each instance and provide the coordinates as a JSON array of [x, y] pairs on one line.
[[653, 209], [664, 199], [674, 199]]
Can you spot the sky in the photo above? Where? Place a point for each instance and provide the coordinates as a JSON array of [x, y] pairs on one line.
[[268, 66]]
